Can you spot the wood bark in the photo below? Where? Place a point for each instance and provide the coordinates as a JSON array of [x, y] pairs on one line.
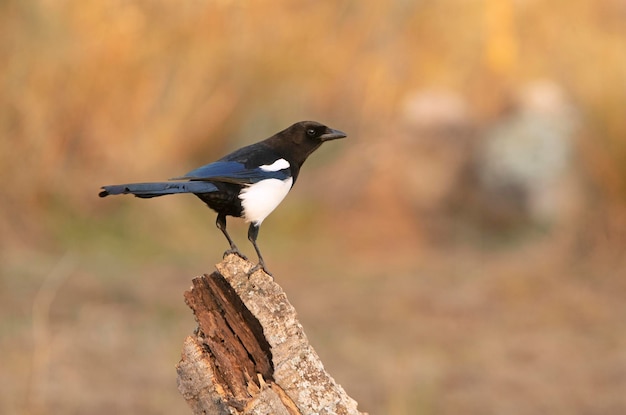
[[249, 354]]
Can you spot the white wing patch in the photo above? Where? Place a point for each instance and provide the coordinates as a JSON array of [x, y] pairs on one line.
[[261, 198], [279, 164]]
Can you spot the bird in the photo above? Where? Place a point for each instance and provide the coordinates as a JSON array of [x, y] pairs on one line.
[[248, 183]]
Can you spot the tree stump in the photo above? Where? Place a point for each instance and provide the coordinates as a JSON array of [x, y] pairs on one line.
[[249, 354]]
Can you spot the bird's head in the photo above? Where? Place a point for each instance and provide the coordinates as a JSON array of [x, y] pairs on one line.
[[316, 132], [303, 138]]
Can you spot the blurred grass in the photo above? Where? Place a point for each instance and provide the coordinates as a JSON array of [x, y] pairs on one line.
[[103, 92]]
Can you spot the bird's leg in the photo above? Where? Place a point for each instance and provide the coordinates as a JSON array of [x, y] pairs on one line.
[[253, 232], [221, 225]]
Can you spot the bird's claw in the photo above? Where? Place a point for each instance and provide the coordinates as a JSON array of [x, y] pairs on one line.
[[258, 267], [236, 252]]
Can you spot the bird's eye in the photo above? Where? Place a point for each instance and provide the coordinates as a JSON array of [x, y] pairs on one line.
[[310, 132]]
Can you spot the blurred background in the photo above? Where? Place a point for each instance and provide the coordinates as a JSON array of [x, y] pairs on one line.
[[462, 251]]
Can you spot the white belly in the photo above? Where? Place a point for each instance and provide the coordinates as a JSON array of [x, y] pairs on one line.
[[260, 199]]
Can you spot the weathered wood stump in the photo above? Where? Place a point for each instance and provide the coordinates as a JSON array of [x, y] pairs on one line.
[[249, 354]]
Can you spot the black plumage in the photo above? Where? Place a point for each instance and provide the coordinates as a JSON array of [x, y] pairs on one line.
[[249, 182]]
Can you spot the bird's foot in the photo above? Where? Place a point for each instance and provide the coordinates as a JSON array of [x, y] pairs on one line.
[[257, 267], [236, 252]]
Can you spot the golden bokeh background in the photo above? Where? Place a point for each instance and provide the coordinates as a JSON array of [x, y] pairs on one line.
[[462, 251]]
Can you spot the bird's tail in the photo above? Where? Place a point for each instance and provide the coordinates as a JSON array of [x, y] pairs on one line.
[[147, 190]]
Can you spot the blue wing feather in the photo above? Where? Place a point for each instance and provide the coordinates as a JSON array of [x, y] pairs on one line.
[[232, 172]]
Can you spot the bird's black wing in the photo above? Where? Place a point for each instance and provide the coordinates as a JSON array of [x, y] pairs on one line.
[[234, 172]]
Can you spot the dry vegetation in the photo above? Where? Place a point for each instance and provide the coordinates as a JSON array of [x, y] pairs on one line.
[[422, 291]]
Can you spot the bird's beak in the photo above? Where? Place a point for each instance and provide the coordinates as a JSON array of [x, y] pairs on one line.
[[331, 134]]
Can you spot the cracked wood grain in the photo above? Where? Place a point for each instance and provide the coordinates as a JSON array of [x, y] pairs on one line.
[[249, 354]]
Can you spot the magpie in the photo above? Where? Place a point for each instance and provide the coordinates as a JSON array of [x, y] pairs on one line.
[[248, 183]]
